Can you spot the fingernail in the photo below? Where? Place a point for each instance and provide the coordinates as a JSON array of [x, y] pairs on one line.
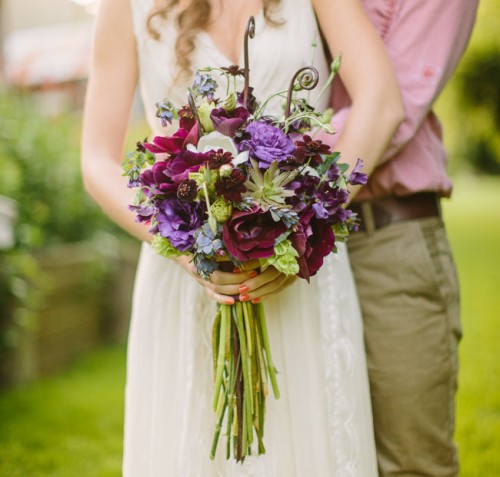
[[255, 301], [244, 297], [252, 274], [229, 301], [236, 270], [244, 288]]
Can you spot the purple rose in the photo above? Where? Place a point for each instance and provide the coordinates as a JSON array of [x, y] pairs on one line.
[[228, 122], [314, 240], [251, 234], [267, 144], [178, 221]]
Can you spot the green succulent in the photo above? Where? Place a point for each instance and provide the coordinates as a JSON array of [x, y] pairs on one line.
[[267, 189], [284, 258]]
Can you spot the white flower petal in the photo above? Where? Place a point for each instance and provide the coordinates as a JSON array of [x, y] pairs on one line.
[[215, 140], [241, 158]]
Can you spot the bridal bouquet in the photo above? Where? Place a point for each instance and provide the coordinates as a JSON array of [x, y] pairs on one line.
[[233, 184]]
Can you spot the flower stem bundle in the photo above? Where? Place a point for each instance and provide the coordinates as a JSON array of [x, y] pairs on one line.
[[243, 366]]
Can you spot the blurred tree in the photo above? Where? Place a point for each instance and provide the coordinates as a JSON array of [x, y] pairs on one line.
[[479, 88]]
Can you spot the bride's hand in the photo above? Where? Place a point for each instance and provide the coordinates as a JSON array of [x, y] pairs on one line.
[[265, 285], [222, 286]]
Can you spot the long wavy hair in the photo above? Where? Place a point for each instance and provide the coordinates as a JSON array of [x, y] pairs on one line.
[[190, 21]]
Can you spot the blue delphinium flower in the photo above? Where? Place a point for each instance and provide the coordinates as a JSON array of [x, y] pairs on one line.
[[204, 85], [165, 110]]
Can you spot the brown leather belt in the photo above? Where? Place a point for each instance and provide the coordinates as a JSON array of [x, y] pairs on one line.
[[382, 211]]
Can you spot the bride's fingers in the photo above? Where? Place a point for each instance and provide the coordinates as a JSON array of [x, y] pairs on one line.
[[218, 280], [254, 283], [228, 278], [250, 265], [286, 283], [223, 289], [272, 286], [228, 290], [223, 299]]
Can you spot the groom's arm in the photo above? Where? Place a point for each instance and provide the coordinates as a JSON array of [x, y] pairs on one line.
[[425, 41], [367, 75]]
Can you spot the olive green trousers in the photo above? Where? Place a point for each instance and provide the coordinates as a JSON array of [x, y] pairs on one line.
[[408, 289]]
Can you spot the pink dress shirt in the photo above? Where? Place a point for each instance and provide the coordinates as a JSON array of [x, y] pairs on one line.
[[425, 40]]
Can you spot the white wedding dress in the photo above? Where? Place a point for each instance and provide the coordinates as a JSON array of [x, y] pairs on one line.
[[322, 424]]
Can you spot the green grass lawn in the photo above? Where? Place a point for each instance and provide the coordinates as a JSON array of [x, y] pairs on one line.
[[473, 218], [71, 425]]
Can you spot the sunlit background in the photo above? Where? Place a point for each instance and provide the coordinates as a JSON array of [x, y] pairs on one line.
[[66, 272]]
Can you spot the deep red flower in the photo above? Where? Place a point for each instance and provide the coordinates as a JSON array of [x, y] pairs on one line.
[[187, 190], [314, 240], [155, 181], [168, 144], [231, 187], [251, 234], [311, 150], [186, 118], [219, 158], [185, 162], [228, 123], [234, 70]]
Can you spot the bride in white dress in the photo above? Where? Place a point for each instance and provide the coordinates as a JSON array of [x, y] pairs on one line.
[[322, 424]]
